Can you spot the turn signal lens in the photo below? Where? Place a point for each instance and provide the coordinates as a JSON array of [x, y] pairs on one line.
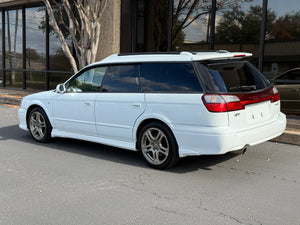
[[213, 99], [276, 96], [214, 103], [222, 103]]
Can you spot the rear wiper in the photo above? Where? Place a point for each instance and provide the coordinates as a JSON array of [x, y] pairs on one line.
[[250, 87]]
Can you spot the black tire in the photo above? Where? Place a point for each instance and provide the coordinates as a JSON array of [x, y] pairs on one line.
[[39, 125], [158, 146]]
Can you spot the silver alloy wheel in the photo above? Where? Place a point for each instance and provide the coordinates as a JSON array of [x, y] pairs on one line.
[[37, 125], [155, 146]]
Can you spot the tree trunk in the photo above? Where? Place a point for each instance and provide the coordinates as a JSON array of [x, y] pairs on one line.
[[84, 28], [61, 37]]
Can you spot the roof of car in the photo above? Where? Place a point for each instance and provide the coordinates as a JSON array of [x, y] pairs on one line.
[[172, 56]]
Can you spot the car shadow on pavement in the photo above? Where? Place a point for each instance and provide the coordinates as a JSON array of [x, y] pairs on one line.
[[117, 155]]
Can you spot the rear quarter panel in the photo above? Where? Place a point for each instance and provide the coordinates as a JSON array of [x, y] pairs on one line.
[[183, 109]]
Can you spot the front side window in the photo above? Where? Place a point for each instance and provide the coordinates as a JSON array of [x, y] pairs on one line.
[[88, 81], [122, 78], [169, 77]]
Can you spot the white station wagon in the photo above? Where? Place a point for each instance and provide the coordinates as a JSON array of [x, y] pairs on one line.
[[166, 106]]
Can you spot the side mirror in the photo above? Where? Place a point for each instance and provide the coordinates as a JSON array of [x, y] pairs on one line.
[[61, 88]]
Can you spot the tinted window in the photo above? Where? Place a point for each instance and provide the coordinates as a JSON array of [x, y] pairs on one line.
[[88, 81], [169, 77], [238, 76], [293, 75], [124, 78]]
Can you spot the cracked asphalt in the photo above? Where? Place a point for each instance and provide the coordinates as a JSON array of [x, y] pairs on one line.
[[74, 182]]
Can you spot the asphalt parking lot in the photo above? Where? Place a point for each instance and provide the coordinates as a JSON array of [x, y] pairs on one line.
[[74, 182]]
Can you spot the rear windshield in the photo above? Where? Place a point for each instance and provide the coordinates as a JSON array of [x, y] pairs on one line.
[[232, 76]]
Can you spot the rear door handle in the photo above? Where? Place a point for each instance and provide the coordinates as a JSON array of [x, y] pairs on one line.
[[137, 105], [88, 103]]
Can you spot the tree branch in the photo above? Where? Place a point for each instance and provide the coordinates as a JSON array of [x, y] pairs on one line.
[[65, 46]]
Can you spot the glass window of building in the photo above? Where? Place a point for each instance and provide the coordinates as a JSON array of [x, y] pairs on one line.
[[282, 46], [35, 47], [190, 25], [59, 65], [13, 47], [238, 25], [1, 71]]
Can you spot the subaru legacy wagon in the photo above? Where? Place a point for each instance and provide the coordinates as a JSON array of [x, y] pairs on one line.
[[167, 106]]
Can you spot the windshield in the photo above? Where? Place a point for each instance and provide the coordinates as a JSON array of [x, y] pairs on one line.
[[232, 76]]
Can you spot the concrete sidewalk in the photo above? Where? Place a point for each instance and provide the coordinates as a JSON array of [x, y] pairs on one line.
[[13, 97]]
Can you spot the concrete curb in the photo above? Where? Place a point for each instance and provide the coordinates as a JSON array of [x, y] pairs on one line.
[[292, 133], [10, 101], [289, 137]]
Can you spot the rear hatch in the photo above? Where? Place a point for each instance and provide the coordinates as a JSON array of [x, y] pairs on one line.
[[237, 87]]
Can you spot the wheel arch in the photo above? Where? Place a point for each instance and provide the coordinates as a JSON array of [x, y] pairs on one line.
[[30, 108], [150, 120]]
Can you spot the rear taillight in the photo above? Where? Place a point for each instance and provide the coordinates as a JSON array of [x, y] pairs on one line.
[[221, 103], [230, 102], [276, 95]]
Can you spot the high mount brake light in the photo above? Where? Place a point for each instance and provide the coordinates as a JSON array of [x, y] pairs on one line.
[[233, 102], [236, 56]]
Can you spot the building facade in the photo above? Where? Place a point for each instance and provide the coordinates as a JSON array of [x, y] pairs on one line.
[[31, 56]]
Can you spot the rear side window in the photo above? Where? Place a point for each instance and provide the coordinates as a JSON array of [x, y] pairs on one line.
[[169, 77], [238, 76], [123, 78]]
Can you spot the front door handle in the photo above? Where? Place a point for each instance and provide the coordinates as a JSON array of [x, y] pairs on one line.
[[88, 103]]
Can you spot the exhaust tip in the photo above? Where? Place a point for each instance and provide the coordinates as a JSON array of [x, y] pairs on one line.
[[245, 149]]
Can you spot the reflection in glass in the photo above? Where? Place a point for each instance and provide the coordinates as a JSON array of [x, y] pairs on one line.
[[140, 26], [14, 78], [282, 46], [58, 78], [13, 46], [123, 78], [35, 80], [169, 77], [193, 21], [89, 81], [35, 46], [1, 73], [57, 59], [190, 22], [0, 41], [238, 28]]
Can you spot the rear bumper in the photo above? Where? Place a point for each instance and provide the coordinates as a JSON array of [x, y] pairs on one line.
[[220, 140]]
